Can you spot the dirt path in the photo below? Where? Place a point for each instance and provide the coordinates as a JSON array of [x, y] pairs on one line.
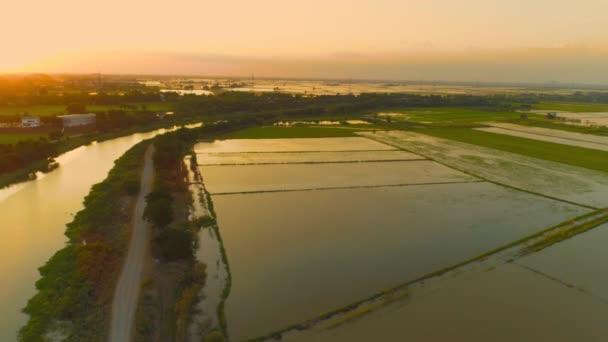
[[129, 283]]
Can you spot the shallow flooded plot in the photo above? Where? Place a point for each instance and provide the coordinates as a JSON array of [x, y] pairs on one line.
[[549, 178], [296, 255], [541, 137], [579, 262], [553, 132], [505, 304], [291, 145], [283, 177], [302, 157]]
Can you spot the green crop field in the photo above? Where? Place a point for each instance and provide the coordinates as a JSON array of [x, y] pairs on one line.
[[12, 138], [37, 110], [50, 110], [572, 155], [274, 132], [572, 107], [451, 115]]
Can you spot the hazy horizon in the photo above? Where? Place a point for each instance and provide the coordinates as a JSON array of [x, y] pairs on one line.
[[468, 41]]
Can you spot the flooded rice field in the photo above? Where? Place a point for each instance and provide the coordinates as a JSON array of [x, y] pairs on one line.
[[291, 145], [303, 157], [284, 177], [553, 132], [295, 255], [578, 262], [548, 138], [509, 303], [556, 180]]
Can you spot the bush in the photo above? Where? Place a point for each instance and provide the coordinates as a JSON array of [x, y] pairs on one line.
[[131, 187], [175, 244], [214, 336], [159, 209], [204, 221]]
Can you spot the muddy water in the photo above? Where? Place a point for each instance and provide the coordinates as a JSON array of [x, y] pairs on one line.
[[249, 178], [295, 255], [509, 303], [303, 157], [291, 145], [566, 182], [579, 262], [205, 318], [34, 215]]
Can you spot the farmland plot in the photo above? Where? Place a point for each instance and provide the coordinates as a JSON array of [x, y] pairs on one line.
[[556, 180], [508, 303], [303, 157], [296, 255]]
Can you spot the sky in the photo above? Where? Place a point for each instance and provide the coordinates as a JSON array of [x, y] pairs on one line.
[[465, 40]]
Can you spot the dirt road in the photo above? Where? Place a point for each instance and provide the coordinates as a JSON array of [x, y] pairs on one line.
[[129, 283]]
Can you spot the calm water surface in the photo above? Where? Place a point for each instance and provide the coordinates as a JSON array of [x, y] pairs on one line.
[[295, 255]]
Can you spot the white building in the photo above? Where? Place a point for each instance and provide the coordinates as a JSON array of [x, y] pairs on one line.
[[74, 120], [30, 121]]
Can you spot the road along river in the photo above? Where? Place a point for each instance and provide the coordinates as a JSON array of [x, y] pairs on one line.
[[33, 216]]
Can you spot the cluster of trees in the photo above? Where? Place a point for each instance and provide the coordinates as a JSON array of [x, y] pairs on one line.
[[288, 105], [101, 98], [172, 241], [23, 153], [176, 241]]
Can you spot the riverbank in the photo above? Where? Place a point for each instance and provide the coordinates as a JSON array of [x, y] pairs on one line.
[[97, 236], [169, 307], [128, 286], [45, 165]]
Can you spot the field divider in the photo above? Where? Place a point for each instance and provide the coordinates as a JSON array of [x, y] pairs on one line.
[[302, 151], [322, 162], [487, 179], [504, 254], [560, 281], [342, 187]]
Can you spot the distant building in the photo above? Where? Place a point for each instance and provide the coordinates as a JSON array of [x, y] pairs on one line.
[[74, 120], [30, 121]]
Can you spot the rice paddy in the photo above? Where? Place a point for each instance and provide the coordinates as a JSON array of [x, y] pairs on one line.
[[312, 225]]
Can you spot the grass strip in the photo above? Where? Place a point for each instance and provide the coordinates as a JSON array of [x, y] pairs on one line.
[[565, 154]]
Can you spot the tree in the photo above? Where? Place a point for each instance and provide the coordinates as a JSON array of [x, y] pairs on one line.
[[175, 244], [158, 209], [76, 108]]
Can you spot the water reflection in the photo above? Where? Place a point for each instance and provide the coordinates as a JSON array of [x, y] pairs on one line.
[[34, 215]]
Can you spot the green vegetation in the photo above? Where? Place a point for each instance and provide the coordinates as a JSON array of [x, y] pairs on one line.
[[559, 235], [221, 313], [60, 109], [547, 123], [186, 303], [572, 155], [276, 132], [451, 115], [572, 106], [158, 209], [77, 283], [13, 138]]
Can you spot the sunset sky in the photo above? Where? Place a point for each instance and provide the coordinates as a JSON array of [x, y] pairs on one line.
[[484, 40]]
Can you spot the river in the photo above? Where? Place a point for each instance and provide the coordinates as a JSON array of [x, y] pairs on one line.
[[33, 218]]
